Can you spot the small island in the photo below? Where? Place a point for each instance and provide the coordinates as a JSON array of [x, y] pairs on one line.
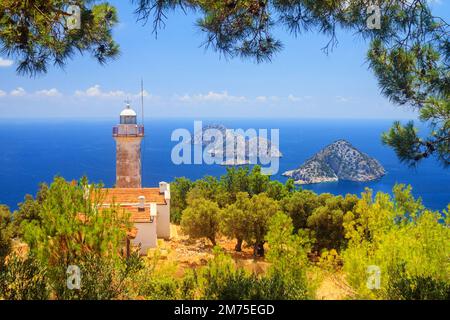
[[337, 161], [238, 154]]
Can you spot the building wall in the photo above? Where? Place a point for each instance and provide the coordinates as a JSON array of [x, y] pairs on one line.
[[128, 162], [163, 224], [146, 236]]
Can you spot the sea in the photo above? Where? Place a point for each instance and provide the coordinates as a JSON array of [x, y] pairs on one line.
[[35, 151]]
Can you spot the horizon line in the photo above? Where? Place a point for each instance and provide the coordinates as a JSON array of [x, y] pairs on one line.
[[146, 118]]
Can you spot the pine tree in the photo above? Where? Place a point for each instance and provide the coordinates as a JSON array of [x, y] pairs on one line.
[[36, 33]]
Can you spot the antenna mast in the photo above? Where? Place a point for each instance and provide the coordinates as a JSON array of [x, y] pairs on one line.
[[142, 110], [142, 99]]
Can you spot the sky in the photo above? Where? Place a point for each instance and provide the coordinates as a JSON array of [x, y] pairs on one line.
[[183, 79]]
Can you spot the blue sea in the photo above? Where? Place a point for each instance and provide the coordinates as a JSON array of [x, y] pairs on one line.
[[34, 151]]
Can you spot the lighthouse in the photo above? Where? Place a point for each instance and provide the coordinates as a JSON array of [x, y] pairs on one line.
[[128, 136], [149, 208]]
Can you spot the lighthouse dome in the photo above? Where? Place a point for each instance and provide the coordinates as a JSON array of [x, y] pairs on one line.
[[128, 112], [128, 116]]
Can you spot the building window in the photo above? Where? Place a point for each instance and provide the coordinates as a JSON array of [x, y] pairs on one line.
[[128, 120]]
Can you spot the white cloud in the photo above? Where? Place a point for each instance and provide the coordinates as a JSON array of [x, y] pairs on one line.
[[211, 97], [145, 93], [2, 93], [18, 92], [293, 98], [343, 99], [261, 99], [264, 99], [96, 91], [5, 62], [49, 93]]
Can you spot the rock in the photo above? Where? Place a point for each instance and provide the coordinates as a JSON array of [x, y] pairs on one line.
[[234, 148], [338, 161], [198, 135]]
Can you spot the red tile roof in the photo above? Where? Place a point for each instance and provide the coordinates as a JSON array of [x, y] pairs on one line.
[[131, 231], [137, 215], [130, 195]]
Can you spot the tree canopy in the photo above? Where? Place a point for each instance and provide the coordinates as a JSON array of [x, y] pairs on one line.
[[36, 33], [5, 233]]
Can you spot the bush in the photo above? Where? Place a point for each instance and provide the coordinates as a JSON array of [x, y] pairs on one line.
[[209, 188], [299, 206], [224, 191], [68, 228], [102, 278], [235, 181], [23, 279], [330, 260], [29, 209], [289, 262], [222, 280], [391, 233], [327, 220], [235, 220], [6, 234], [156, 281], [405, 287], [201, 219], [179, 189], [261, 209]]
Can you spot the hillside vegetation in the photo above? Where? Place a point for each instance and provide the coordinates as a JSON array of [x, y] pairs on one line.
[[254, 239]]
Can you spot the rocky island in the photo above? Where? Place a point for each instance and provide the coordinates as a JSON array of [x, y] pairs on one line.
[[337, 161], [235, 153]]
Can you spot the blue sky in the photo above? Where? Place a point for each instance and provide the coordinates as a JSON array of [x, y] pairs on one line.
[[183, 79]]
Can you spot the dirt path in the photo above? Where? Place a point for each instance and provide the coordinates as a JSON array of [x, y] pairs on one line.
[[333, 287]]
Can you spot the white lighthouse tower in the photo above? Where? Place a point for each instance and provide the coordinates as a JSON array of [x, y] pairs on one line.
[[128, 136]]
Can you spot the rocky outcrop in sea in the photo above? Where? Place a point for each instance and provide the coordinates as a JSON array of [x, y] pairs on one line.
[[337, 161], [234, 147]]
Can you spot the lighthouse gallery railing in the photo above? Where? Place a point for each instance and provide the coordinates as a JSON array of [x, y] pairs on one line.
[[128, 131]]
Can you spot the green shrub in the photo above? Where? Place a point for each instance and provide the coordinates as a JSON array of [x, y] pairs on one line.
[[287, 254], [389, 233], [261, 209], [179, 189], [102, 278], [235, 220], [326, 222], [23, 279], [156, 280], [222, 280], [6, 234], [201, 219], [405, 287], [299, 206]]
